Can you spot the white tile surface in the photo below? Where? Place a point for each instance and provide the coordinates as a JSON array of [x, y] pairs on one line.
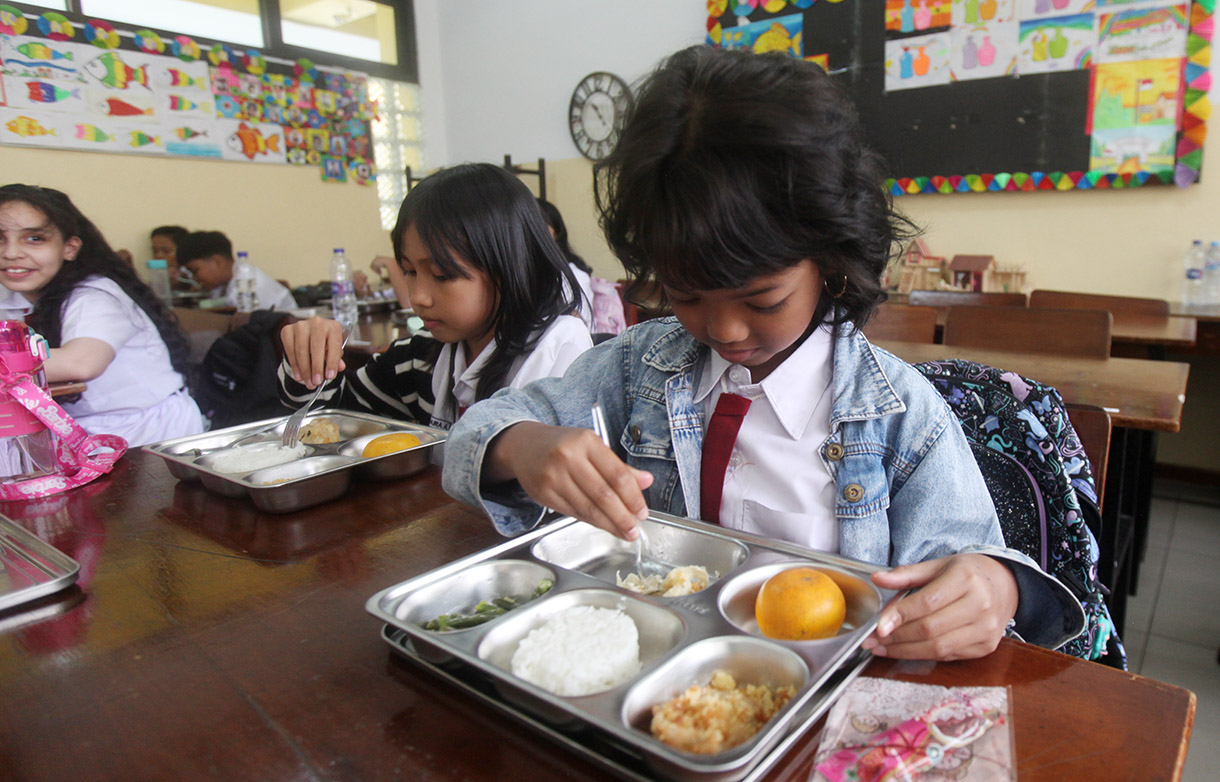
[[1192, 667], [1188, 598]]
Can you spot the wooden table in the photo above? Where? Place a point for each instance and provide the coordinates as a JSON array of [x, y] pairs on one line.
[[208, 640], [1139, 394]]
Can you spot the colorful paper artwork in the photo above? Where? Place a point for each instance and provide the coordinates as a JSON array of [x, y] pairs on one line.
[[1135, 115], [1063, 43], [779, 34], [1036, 9], [983, 12], [921, 61], [1142, 34], [167, 99], [983, 51], [912, 16]]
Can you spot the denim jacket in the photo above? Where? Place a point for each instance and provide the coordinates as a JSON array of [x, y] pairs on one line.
[[908, 488]]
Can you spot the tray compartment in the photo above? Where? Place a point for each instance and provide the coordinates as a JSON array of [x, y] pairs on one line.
[[459, 594], [660, 631], [299, 484], [749, 660], [399, 464], [349, 426], [597, 553]]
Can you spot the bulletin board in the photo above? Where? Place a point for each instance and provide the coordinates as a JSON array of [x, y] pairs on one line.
[[83, 84], [1005, 95]]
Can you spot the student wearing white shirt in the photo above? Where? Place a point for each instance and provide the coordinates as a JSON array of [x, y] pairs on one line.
[[491, 287], [208, 255], [580, 269], [104, 325]]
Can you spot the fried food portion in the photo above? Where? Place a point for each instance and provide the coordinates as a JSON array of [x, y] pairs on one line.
[[320, 431], [709, 719], [684, 580]]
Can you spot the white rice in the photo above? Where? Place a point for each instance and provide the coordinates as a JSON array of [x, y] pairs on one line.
[[580, 651], [248, 458]]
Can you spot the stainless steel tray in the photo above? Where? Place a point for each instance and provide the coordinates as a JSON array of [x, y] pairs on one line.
[[30, 567], [322, 474], [682, 640]]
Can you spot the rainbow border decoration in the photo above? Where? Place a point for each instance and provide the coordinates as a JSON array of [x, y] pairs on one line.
[[1196, 108]]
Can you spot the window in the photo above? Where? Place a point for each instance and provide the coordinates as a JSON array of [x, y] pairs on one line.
[[397, 143], [59, 5], [235, 21], [362, 29]]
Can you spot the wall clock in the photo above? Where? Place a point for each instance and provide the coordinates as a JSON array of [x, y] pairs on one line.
[[596, 114]]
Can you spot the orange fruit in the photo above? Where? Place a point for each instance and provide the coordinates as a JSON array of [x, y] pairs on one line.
[[390, 443], [800, 604]]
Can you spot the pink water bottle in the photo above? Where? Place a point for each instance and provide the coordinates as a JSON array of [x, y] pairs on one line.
[[27, 447]]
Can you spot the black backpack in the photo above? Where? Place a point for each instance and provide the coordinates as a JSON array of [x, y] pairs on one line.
[[1039, 477], [237, 380]]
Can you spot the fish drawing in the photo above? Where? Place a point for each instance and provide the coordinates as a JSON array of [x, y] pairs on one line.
[[250, 142], [110, 70], [44, 92], [179, 103], [179, 79], [28, 126], [777, 39], [92, 133], [186, 134], [121, 108], [141, 139], [40, 51]]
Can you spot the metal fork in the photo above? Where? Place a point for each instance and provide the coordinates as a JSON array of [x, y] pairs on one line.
[[292, 428], [600, 429]]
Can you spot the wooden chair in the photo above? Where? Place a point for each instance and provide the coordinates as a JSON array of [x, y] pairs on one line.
[[1117, 305], [964, 299], [902, 322], [1092, 425], [1083, 333]]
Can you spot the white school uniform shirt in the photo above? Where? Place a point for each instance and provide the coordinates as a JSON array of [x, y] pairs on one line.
[[584, 284], [13, 306], [564, 340], [776, 484], [139, 396], [271, 295]]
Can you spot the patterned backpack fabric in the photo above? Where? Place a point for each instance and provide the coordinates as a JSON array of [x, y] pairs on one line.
[[1039, 477]]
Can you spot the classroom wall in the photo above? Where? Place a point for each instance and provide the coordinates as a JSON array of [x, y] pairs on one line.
[[284, 216]]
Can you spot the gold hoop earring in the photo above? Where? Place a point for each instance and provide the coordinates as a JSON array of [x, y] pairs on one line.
[[833, 294]]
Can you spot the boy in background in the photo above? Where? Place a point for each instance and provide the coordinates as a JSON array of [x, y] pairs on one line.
[[208, 255]]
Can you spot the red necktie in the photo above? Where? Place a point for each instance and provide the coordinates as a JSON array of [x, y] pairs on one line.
[[717, 447]]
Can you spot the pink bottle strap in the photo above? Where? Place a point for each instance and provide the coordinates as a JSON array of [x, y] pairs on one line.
[[74, 452]]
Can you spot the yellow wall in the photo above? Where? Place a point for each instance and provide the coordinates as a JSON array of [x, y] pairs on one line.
[[284, 216]]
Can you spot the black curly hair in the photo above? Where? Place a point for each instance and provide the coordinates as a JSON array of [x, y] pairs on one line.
[[485, 216], [736, 165], [95, 258]]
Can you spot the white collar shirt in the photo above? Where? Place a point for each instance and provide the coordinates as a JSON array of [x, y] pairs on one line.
[[776, 484]]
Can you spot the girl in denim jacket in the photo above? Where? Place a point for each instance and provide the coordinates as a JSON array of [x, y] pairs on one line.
[[742, 187]]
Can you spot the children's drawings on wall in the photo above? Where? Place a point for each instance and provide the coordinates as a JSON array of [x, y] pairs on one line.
[[983, 51], [780, 34], [87, 92], [1037, 9], [1135, 115], [1142, 34], [1063, 43], [983, 12], [921, 61], [914, 16]]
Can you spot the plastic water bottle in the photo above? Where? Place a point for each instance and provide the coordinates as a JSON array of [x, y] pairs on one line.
[[243, 284], [342, 292], [27, 446], [1193, 292], [1211, 275], [158, 279]]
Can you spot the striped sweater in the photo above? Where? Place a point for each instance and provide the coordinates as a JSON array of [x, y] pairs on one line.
[[394, 384]]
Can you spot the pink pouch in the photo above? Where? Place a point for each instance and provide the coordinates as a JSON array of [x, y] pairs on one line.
[[77, 457]]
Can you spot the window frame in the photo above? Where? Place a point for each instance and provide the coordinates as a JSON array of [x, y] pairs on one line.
[[407, 69]]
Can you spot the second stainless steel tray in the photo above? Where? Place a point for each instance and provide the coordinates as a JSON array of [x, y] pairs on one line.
[[30, 567]]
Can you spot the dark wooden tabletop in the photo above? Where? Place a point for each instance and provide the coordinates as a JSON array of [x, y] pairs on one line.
[[1138, 393], [207, 640]]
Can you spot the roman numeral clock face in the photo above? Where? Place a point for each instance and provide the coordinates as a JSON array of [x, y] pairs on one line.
[[596, 113]]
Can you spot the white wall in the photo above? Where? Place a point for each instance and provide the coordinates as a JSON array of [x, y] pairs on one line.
[[506, 70]]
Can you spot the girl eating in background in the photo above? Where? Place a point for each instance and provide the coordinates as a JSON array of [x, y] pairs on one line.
[[491, 287], [741, 185], [164, 240], [104, 325]]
